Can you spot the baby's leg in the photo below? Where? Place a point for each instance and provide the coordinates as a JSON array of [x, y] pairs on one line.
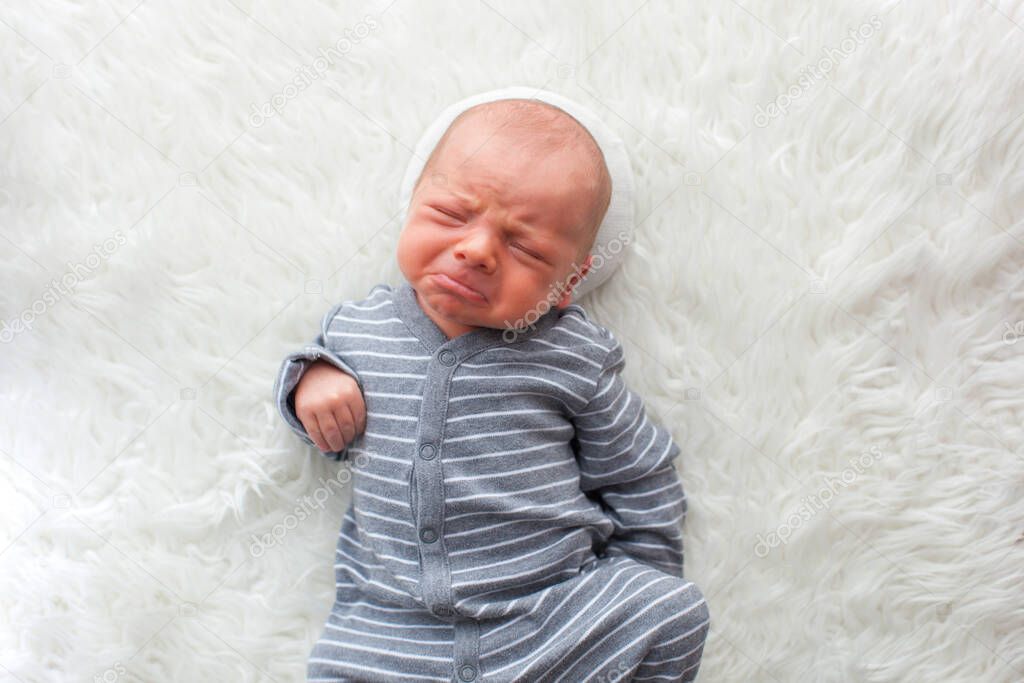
[[679, 640], [648, 626]]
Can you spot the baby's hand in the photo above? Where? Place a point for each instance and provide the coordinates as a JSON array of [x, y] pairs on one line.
[[330, 406]]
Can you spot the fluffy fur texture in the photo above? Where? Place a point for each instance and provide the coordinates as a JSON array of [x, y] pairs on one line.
[[823, 305]]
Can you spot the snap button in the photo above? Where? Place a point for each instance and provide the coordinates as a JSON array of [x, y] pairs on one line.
[[447, 357], [427, 451], [442, 611], [467, 673], [428, 535]]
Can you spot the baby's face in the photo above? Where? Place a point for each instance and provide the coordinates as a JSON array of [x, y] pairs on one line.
[[506, 222]]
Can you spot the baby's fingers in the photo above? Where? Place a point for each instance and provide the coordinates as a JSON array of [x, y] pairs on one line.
[[346, 422], [312, 427], [344, 428], [336, 432]]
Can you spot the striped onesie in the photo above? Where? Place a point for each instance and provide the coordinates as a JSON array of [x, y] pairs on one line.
[[515, 514]]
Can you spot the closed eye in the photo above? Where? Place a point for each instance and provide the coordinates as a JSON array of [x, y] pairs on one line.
[[526, 251], [446, 213]]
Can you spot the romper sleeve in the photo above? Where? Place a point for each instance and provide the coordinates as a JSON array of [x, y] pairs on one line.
[[626, 463], [294, 366]]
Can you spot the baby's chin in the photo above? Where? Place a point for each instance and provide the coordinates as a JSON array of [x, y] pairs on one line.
[[475, 321], [460, 312], [482, 316]]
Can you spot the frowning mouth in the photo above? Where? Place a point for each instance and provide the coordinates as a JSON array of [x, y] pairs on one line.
[[463, 290]]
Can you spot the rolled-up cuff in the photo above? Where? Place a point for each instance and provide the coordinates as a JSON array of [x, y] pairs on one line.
[[292, 368]]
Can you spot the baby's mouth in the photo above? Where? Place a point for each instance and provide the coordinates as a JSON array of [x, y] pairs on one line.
[[460, 288]]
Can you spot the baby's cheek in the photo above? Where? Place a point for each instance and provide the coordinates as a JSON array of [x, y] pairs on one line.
[[410, 254], [421, 245]]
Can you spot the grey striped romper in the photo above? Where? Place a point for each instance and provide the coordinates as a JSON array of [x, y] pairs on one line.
[[515, 515]]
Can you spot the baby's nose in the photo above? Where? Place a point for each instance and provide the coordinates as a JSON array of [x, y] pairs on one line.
[[476, 250]]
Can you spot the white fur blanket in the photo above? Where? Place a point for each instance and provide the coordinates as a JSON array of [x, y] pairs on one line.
[[823, 302]]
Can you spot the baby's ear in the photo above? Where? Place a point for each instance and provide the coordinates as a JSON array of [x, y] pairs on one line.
[[585, 268], [573, 281]]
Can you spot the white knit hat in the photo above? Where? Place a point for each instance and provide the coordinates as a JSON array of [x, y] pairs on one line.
[[616, 230]]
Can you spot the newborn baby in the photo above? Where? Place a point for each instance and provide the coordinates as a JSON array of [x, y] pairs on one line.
[[515, 513]]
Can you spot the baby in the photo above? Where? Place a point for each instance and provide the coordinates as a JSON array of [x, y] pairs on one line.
[[515, 514]]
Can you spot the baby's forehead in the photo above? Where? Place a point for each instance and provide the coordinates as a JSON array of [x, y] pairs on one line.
[[525, 185], [552, 132], [482, 150]]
